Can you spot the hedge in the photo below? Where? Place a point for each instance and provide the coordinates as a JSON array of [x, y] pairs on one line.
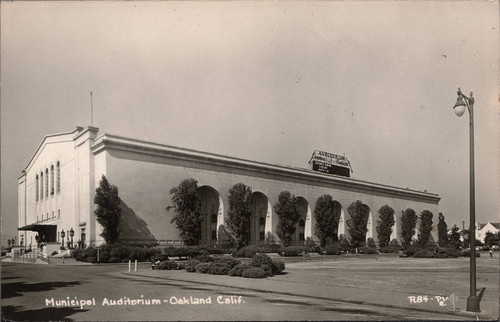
[[254, 272]]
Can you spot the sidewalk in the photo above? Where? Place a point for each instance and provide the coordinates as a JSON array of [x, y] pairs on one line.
[[381, 298]]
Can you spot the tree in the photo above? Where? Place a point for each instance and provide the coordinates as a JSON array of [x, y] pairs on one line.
[[408, 224], [358, 212], [454, 237], [425, 227], [108, 211], [327, 214], [239, 214], [442, 230], [384, 225], [187, 215], [370, 243], [288, 215], [491, 239]]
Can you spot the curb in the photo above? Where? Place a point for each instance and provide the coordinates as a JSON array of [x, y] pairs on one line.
[[479, 315]]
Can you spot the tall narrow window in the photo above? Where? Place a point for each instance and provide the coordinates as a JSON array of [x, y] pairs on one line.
[[41, 185], [302, 226], [58, 213], [52, 180], [37, 188], [58, 181], [262, 227], [47, 183]]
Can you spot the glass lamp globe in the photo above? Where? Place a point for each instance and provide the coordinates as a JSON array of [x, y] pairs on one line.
[[459, 107], [459, 110]]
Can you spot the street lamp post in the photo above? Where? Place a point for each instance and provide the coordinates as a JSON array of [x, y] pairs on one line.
[[62, 236], [71, 234], [463, 102]]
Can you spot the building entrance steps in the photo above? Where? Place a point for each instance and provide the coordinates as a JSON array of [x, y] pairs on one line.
[[321, 291]]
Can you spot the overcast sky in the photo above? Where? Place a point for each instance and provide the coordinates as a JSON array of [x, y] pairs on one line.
[[269, 81]]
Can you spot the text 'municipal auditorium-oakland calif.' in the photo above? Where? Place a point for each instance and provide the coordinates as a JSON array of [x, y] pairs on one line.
[[57, 188]]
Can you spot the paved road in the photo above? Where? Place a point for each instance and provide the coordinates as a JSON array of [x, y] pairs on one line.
[[28, 290]]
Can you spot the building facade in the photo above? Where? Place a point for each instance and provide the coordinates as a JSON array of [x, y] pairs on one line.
[[57, 188], [482, 229]]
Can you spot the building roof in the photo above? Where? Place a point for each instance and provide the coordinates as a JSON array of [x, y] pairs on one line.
[[481, 225], [110, 141]]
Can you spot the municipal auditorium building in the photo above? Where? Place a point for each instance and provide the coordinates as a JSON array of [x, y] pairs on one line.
[[56, 191]]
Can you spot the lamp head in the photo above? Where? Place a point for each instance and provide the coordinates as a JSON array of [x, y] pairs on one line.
[[459, 107]]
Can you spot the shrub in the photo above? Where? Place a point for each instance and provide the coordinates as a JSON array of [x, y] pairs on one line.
[[203, 268], [232, 262], [261, 259], [268, 269], [238, 269], [395, 244], [248, 251], [91, 260], [311, 246], [466, 253], [167, 265], [333, 249], [293, 250], [424, 253], [389, 249], [453, 253], [54, 253], [371, 243], [205, 258], [254, 272], [104, 257], [367, 250], [412, 250], [219, 268], [191, 265], [181, 266], [278, 267]]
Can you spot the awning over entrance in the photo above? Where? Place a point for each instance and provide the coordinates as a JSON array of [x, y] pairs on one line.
[[46, 233]]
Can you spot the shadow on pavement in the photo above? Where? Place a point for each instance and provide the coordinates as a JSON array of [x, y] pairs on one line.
[[15, 313], [480, 295], [15, 289], [9, 278]]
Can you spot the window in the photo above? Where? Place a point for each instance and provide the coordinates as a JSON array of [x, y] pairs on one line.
[[37, 188], [52, 215], [52, 180], [58, 213], [262, 226], [36, 218], [58, 179], [41, 185], [302, 225], [214, 226], [47, 182]]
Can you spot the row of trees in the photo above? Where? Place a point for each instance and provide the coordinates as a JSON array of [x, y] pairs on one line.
[[327, 212]]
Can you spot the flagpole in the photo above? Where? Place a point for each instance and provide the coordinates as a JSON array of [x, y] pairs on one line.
[[91, 110]]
